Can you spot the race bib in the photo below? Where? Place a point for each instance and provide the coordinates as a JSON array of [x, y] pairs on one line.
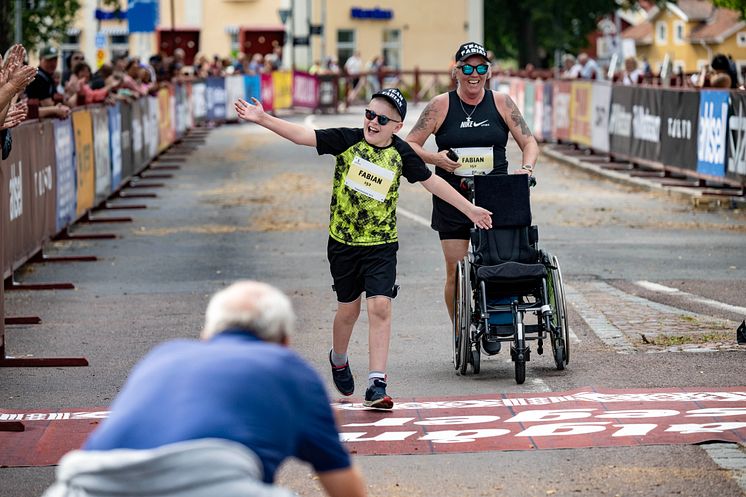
[[369, 179], [474, 160]]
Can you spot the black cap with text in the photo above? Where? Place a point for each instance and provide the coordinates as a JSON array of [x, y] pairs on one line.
[[395, 97], [468, 49]]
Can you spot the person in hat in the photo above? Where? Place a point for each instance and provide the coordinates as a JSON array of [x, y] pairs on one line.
[[363, 240], [475, 122], [44, 89]]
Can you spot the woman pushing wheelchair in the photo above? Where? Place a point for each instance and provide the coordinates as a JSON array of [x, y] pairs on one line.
[[473, 122]]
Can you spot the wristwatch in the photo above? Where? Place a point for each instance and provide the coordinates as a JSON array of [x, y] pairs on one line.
[[528, 167]]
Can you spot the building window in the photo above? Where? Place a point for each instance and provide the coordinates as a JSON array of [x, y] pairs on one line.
[[119, 45], [392, 48], [661, 32], [741, 39], [678, 32], [345, 45]]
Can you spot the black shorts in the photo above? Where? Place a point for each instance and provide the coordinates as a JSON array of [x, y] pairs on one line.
[[355, 269], [463, 233]]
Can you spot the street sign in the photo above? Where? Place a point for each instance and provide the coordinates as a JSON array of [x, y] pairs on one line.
[[316, 29], [301, 41], [100, 40], [284, 14], [100, 58]]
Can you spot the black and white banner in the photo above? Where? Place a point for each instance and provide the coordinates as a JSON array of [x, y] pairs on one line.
[[679, 116], [737, 132], [600, 106], [620, 120], [646, 124]]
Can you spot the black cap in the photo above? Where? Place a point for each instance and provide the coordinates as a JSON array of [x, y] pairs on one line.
[[468, 49], [394, 96]]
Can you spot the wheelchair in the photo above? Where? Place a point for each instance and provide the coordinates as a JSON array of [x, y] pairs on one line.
[[506, 280]]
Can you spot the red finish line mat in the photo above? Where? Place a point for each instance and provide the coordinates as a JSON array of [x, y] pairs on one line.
[[574, 419], [578, 418]]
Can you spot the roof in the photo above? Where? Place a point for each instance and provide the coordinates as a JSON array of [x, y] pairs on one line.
[[691, 10], [722, 24], [642, 33]]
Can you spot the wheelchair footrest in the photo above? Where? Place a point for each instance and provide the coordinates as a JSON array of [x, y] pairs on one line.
[[524, 354]]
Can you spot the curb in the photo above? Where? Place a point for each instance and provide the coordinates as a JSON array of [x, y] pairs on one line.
[[695, 197]]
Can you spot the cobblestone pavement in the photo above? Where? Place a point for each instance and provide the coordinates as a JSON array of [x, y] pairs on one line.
[[629, 323]]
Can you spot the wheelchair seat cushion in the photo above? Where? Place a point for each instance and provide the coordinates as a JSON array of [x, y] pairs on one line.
[[509, 271]]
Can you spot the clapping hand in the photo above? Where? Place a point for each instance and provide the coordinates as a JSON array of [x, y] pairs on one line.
[[14, 72], [251, 112]]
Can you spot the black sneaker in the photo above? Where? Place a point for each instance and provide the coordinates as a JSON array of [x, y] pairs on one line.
[[375, 396], [342, 377]]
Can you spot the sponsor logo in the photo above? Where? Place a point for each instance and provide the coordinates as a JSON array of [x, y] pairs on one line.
[[562, 110], [15, 186], [737, 146], [711, 143], [645, 126], [471, 124], [679, 128], [620, 122], [43, 181]]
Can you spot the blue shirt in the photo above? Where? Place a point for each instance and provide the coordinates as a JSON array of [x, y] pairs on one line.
[[234, 387]]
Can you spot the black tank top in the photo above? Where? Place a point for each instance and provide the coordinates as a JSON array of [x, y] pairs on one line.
[[467, 126]]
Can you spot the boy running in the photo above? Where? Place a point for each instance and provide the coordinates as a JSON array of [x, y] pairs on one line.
[[363, 239]]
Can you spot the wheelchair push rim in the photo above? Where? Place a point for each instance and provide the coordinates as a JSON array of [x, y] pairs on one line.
[[559, 318], [466, 308], [459, 302]]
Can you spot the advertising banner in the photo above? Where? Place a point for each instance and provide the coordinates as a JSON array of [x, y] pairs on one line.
[[580, 112], [547, 127], [151, 129], [737, 136], [101, 153], [528, 103], [282, 81], [517, 92], [561, 104], [216, 99], [679, 120], [234, 89], [138, 140], [84, 161], [328, 93], [620, 120], [646, 124], [305, 90], [537, 126], [712, 133], [268, 94], [252, 87], [199, 102], [64, 145], [126, 120], [44, 197], [600, 104], [164, 124], [115, 144]]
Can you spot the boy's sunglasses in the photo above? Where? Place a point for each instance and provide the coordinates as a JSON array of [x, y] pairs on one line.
[[382, 120], [467, 69]]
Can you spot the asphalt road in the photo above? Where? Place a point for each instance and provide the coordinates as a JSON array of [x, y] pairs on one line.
[[249, 205]]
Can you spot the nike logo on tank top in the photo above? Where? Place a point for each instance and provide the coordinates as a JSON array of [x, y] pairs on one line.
[[472, 131]]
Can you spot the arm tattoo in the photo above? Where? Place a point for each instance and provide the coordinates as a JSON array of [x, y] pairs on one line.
[[426, 121], [517, 118]]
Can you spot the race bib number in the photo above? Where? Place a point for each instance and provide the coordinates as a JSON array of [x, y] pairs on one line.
[[369, 179], [474, 160]]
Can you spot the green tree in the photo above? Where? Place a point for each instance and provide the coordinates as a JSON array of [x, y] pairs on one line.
[[43, 21], [530, 31], [739, 5]]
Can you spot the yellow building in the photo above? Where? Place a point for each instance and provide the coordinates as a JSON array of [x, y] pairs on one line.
[[689, 32], [421, 33]]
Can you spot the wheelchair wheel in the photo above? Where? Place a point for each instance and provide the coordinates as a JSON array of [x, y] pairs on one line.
[[560, 341], [459, 330], [465, 353]]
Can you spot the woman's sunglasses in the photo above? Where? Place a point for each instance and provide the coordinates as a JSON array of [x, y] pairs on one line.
[[467, 69], [382, 120]]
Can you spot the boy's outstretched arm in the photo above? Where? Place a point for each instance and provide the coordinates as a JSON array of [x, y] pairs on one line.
[[254, 112], [439, 187]]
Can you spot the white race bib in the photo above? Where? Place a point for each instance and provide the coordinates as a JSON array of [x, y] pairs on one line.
[[474, 160], [369, 179]]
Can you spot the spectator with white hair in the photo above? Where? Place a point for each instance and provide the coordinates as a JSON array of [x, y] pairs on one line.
[[216, 416]]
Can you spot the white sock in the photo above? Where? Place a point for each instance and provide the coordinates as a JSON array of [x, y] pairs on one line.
[[376, 375]]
